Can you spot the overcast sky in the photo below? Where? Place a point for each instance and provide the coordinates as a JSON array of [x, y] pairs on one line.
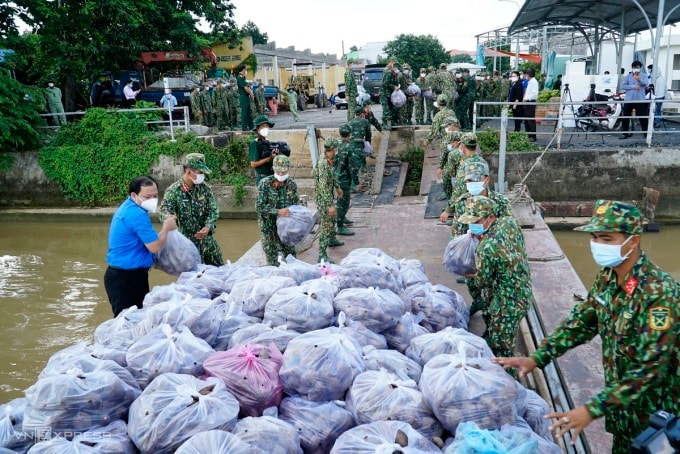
[[323, 25]]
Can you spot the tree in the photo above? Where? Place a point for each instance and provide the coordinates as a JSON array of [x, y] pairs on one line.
[[418, 51], [250, 29], [461, 58], [19, 114]]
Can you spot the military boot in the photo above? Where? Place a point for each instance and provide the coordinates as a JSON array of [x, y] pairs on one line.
[[346, 221], [342, 230], [335, 243]]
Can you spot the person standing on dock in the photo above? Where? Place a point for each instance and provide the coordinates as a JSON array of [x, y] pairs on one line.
[[342, 163], [445, 119], [635, 308], [326, 185]]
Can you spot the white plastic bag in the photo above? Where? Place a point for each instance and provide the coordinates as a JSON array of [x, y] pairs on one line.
[[413, 89], [368, 148], [294, 228], [177, 255], [459, 255], [398, 98]]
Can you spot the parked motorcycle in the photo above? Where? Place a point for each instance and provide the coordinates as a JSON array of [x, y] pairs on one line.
[[600, 117]]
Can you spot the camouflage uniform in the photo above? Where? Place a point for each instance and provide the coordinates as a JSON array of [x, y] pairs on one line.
[[260, 101], [360, 131], [405, 111], [195, 208], [462, 103], [502, 275], [430, 82], [471, 96], [220, 100], [458, 169], [272, 195], [234, 106], [195, 102], [638, 323], [389, 81], [351, 93], [206, 105], [253, 102], [342, 165], [418, 100], [325, 187], [447, 85], [442, 119]]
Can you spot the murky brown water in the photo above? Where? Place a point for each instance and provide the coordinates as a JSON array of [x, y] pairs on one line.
[[52, 293]]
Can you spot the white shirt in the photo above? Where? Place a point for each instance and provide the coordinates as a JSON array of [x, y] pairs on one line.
[[129, 92], [531, 93], [659, 85], [165, 101]]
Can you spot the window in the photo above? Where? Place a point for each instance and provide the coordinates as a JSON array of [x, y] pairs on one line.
[[676, 62], [675, 85]]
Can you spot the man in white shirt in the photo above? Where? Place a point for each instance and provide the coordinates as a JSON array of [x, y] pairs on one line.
[[657, 79], [530, 96], [169, 101], [129, 94]]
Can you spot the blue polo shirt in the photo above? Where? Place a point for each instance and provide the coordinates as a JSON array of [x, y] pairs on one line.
[[130, 230]]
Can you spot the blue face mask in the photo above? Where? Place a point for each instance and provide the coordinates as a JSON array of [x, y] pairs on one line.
[[608, 255], [475, 187], [476, 229]]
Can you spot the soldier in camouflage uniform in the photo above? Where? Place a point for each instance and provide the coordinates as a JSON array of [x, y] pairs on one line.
[[447, 84], [275, 194], [502, 272], [206, 105], [468, 152], [195, 206], [342, 164], [471, 95], [406, 111], [194, 99], [360, 131], [368, 115], [462, 102], [430, 82], [351, 91], [220, 101], [388, 85], [445, 118], [634, 306], [418, 100], [326, 186], [234, 105], [449, 161], [260, 101]]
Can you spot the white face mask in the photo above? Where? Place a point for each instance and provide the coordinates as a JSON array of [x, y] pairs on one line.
[[150, 205], [608, 255], [475, 187], [281, 178], [514, 79], [449, 147], [200, 178], [458, 75], [636, 70], [50, 85], [264, 132], [422, 74]]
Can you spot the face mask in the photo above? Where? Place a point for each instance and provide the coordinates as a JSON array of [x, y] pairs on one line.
[[422, 74], [475, 187], [636, 70], [50, 85], [150, 205], [458, 75], [514, 79], [264, 132], [449, 147], [200, 178], [476, 229], [608, 255], [281, 178]]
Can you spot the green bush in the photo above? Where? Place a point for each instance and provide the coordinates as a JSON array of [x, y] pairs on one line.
[[19, 114], [93, 160], [415, 156], [545, 95], [489, 142]]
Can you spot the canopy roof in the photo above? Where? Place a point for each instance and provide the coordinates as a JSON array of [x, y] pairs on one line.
[[608, 14]]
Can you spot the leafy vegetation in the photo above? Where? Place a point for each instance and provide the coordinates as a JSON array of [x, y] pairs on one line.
[[545, 95], [489, 141], [415, 156], [93, 160], [418, 51], [19, 118]]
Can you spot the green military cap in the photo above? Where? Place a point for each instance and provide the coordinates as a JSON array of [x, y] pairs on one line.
[[475, 170], [423, 70], [407, 66], [441, 100], [344, 130], [442, 66], [614, 216], [281, 163], [430, 68], [476, 208], [261, 119], [331, 143], [359, 111], [469, 139], [453, 136], [367, 102], [197, 161]]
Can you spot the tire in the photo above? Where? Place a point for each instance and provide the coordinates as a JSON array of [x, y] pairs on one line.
[[319, 101], [302, 102]]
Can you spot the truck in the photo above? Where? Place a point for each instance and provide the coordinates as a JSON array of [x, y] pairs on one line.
[[372, 80], [307, 88]]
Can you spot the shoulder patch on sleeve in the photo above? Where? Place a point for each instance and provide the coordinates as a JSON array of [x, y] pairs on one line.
[[660, 318]]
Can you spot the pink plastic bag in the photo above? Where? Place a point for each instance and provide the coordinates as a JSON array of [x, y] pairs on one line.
[[251, 373]]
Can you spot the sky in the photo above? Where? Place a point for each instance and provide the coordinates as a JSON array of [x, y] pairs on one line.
[[323, 25]]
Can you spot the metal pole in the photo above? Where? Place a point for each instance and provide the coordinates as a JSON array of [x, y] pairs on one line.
[[501, 150], [517, 54], [655, 59]]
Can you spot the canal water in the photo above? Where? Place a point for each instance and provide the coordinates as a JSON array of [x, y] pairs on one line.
[[52, 293]]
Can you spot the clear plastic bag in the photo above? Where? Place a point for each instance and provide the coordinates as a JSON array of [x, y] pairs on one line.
[[294, 228], [230, 319], [217, 442], [413, 89], [112, 439], [398, 98], [441, 307], [269, 433], [318, 423], [176, 406], [412, 272], [301, 308], [175, 292], [297, 270], [358, 331], [119, 332], [177, 255], [213, 281], [12, 435], [263, 334], [368, 148], [399, 337], [392, 361], [459, 255], [428, 94], [536, 409], [378, 309], [381, 437], [253, 294], [449, 340]]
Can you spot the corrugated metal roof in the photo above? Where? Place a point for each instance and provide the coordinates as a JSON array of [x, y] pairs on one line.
[[609, 14]]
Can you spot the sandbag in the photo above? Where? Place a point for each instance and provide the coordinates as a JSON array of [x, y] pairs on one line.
[[391, 361], [178, 254], [217, 442], [294, 228], [176, 406], [459, 255], [381, 438], [398, 98]]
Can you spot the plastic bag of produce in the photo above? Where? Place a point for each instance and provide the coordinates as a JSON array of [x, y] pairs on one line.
[[213, 281], [64, 364], [398, 98], [413, 89], [175, 292], [321, 364], [460, 389], [373, 256], [392, 361], [12, 435], [263, 334], [455, 298], [269, 433], [440, 309], [174, 407], [119, 332], [408, 327], [230, 319], [301, 308], [450, 340], [428, 94], [177, 255], [382, 396], [377, 308], [366, 275], [251, 373], [459, 255], [318, 423], [536, 409], [384, 437], [297, 269], [253, 294], [177, 314], [412, 272], [112, 439], [368, 148], [358, 331], [77, 401], [217, 442], [294, 228], [522, 440], [65, 356], [167, 350]]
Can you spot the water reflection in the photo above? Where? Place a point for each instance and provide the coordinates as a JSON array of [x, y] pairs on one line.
[[52, 293]]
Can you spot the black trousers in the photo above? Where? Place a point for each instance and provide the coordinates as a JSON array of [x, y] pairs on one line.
[[126, 288], [641, 112], [517, 113], [529, 111]]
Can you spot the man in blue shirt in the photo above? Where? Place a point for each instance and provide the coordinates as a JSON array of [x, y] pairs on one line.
[[132, 243], [635, 85]]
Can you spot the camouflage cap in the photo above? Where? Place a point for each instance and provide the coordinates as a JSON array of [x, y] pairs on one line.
[[406, 66], [331, 143], [359, 111], [441, 100], [614, 216], [442, 66], [344, 130], [197, 161], [469, 139], [281, 163], [423, 70], [475, 170], [430, 68], [452, 136], [476, 208]]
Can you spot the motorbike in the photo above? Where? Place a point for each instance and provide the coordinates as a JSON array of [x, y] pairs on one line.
[[600, 117]]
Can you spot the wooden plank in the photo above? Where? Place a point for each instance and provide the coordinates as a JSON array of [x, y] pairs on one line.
[[403, 170], [430, 166], [376, 185]]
